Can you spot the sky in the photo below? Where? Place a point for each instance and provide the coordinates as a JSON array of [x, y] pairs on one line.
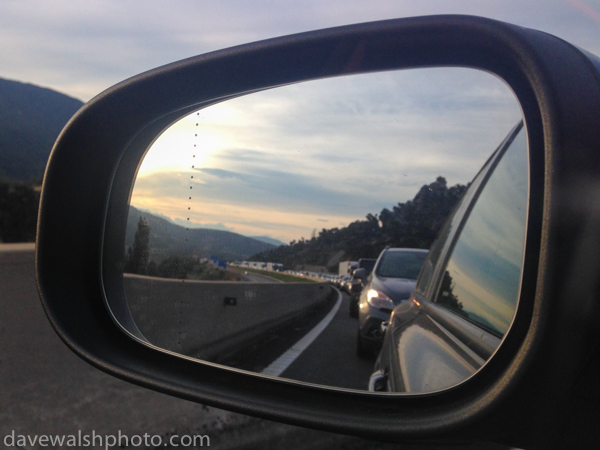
[[291, 161], [285, 162], [81, 47]]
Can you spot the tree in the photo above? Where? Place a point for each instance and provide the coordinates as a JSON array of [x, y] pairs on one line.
[[138, 254], [447, 297], [415, 223], [18, 212], [175, 267]]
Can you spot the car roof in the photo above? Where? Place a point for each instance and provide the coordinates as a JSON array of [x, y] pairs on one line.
[[421, 250]]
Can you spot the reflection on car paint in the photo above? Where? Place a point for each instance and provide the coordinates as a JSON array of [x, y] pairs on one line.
[[433, 357], [483, 275], [432, 345]]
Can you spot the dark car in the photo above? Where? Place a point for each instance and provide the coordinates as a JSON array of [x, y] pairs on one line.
[[353, 286], [390, 283], [364, 268], [467, 293], [367, 264], [342, 283]]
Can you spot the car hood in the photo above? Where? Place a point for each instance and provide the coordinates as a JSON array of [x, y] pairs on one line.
[[398, 289]]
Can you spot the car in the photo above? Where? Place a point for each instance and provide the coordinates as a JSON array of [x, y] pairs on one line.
[[353, 288], [354, 291], [465, 298], [345, 283], [367, 265], [538, 389], [389, 284], [351, 285]]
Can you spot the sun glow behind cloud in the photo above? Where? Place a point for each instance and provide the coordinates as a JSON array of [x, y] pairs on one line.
[[322, 154]]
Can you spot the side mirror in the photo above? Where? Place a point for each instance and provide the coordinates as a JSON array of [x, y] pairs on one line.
[[361, 274], [540, 387]]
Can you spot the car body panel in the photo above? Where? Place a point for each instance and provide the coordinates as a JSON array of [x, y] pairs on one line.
[[436, 341]]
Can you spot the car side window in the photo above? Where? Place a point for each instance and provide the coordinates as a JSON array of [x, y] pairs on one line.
[[482, 279], [442, 241], [403, 264], [441, 245]]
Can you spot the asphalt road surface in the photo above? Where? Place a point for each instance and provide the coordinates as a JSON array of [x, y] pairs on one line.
[[331, 359], [46, 389], [254, 277]]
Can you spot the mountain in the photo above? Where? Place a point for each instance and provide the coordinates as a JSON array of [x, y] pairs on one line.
[[167, 239], [269, 240], [31, 119], [414, 223]]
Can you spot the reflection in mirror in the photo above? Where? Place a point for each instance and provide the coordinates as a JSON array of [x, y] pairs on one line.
[[483, 275], [456, 319], [248, 217]]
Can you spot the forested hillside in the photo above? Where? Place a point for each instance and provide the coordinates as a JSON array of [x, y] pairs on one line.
[[18, 211], [414, 224], [167, 239], [31, 119]]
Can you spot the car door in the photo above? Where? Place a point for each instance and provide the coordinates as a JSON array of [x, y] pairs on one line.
[[467, 292]]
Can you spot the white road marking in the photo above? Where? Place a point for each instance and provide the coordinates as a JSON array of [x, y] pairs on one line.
[[277, 367]]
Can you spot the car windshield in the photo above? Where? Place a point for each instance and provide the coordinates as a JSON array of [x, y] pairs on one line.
[[403, 264]]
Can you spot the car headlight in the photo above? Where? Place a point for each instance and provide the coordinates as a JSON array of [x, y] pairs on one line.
[[379, 300]]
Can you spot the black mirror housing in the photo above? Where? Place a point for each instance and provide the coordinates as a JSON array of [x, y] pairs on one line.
[[544, 376]]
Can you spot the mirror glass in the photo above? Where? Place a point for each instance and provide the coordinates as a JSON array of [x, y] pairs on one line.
[[248, 218]]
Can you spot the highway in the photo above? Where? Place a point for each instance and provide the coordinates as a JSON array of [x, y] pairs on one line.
[[256, 278], [331, 359], [327, 357], [46, 389]]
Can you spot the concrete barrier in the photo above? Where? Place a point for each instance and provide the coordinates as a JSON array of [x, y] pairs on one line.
[[210, 319]]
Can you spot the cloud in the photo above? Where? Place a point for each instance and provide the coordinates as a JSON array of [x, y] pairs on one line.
[[243, 155], [445, 122], [278, 189], [83, 46], [331, 150], [220, 173]]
